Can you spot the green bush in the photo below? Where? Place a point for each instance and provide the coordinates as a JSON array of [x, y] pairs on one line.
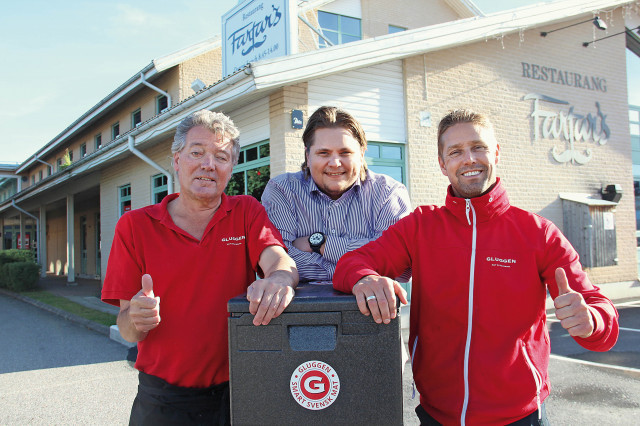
[[12, 256], [15, 255], [22, 276], [4, 277]]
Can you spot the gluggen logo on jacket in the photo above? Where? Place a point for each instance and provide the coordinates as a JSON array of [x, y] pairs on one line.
[[233, 241], [500, 262]]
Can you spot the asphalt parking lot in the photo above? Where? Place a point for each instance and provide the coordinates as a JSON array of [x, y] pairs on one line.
[[598, 388]]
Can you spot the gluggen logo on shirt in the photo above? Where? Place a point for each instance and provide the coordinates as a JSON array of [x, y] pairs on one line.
[[500, 262], [233, 241]]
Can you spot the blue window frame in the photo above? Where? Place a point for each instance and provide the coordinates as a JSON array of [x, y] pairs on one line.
[[252, 172], [387, 158], [339, 29]]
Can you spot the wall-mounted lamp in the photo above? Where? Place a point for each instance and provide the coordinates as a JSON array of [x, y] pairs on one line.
[[626, 31], [599, 23], [197, 85], [612, 193]]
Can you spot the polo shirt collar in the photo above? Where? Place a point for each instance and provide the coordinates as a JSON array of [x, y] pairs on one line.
[[160, 212]]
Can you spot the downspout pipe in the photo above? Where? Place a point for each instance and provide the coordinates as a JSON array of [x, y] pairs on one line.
[[13, 203], [146, 83], [147, 160], [315, 30], [35, 157], [18, 179]]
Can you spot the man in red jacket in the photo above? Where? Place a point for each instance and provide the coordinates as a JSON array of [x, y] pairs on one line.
[[481, 267]]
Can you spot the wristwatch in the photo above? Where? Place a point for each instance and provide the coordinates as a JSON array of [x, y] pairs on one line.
[[316, 240]]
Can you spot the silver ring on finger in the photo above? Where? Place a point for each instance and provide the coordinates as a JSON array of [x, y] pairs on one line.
[[372, 297]]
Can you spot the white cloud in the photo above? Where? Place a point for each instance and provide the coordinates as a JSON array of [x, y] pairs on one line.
[[133, 20]]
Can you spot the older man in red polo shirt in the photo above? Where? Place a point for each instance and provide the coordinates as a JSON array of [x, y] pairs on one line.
[[173, 266]]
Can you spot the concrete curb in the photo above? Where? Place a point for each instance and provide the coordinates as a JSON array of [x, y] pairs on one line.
[[102, 329]]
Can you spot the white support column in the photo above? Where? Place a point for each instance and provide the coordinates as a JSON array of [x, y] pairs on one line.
[[71, 272], [20, 242], [42, 241]]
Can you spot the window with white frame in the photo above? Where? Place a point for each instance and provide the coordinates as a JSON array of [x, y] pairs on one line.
[[124, 198], [159, 188], [136, 118], [387, 158], [98, 141], [252, 172], [162, 103], [83, 150], [115, 130], [339, 29]]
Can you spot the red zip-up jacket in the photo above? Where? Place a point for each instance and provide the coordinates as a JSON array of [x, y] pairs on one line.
[[478, 336]]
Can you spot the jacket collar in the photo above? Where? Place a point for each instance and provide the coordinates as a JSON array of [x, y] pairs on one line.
[[492, 204]]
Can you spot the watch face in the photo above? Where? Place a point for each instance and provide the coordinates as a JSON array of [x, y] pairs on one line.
[[316, 238]]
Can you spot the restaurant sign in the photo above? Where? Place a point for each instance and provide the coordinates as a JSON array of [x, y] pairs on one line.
[[256, 30], [577, 130]]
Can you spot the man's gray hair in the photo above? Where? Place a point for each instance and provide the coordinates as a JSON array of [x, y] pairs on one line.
[[215, 122]]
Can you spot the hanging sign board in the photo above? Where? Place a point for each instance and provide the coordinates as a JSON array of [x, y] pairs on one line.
[[256, 30]]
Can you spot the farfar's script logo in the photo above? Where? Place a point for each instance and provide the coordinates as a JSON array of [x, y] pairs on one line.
[[314, 385]]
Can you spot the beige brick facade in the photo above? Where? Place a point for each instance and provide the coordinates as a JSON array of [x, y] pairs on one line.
[[492, 76], [135, 172], [488, 77], [377, 15], [284, 139]]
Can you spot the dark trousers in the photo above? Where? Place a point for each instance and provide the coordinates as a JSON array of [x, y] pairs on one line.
[[530, 420], [161, 403]]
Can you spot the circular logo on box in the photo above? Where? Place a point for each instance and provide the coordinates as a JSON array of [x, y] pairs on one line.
[[315, 385]]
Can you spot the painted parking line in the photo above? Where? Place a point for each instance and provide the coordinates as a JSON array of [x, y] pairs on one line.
[[595, 364], [634, 330], [632, 303]]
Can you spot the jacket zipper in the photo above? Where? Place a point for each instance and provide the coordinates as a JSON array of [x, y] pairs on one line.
[[469, 208], [413, 356], [537, 377]]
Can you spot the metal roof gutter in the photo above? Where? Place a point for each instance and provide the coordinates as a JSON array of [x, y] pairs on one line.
[[337, 59], [156, 66], [214, 96], [122, 91]]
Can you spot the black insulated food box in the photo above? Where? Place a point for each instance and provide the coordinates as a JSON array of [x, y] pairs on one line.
[[321, 362]]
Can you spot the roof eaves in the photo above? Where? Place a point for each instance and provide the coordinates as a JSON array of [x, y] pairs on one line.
[[309, 65], [464, 8], [156, 66], [112, 97], [165, 62], [145, 130]]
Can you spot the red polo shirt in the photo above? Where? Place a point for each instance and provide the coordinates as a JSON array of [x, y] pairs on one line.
[[194, 280]]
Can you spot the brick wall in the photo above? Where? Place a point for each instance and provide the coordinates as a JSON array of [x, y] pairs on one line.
[[287, 149], [377, 15], [488, 76], [207, 67], [130, 170]]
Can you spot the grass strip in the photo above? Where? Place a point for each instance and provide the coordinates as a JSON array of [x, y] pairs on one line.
[[71, 307]]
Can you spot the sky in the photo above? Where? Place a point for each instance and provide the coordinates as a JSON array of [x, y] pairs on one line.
[[60, 58]]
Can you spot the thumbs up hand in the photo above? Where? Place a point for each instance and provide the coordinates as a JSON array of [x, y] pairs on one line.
[[144, 310], [571, 309]]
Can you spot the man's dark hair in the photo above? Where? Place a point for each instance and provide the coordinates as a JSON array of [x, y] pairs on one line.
[[330, 117], [462, 115]]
